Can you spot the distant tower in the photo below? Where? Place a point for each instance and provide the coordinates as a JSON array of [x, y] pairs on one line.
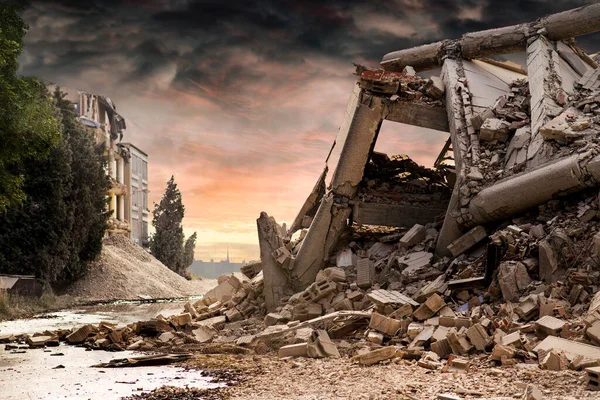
[[227, 254]]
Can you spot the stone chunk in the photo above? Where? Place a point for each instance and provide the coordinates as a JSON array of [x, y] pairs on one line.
[[385, 325], [38, 341], [376, 356], [554, 361], [548, 264], [428, 309], [273, 319], [203, 334], [532, 393], [494, 129], [294, 350], [513, 279], [466, 241], [80, 335], [593, 332], [415, 235], [570, 348]]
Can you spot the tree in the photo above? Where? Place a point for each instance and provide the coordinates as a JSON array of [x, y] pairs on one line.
[[58, 228], [188, 251], [28, 127], [167, 243]]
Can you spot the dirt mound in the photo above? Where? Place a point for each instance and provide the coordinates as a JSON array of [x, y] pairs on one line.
[[126, 271]]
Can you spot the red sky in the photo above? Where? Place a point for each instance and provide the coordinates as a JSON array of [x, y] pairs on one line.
[[241, 103]]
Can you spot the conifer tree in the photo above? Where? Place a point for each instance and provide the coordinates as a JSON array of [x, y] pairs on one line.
[[188, 251], [167, 243]]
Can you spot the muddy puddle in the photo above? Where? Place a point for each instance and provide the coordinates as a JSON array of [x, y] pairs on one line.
[[45, 374]]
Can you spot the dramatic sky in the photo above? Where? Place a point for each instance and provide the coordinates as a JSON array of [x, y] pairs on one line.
[[242, 100]]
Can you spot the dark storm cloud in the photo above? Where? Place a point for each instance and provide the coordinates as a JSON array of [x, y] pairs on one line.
[[242, 100]]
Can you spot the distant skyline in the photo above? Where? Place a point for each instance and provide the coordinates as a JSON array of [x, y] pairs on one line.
[[242, 101]]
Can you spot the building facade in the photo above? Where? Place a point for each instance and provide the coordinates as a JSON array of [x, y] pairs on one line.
[[127, 165], [136, 206]]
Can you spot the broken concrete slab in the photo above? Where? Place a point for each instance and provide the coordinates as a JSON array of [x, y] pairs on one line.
[[466, 241], [415, 235]]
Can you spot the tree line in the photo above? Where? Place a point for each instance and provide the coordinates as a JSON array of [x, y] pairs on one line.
[[53, 181]]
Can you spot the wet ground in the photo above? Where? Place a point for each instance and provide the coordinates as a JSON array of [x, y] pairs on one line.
[[43, 374]]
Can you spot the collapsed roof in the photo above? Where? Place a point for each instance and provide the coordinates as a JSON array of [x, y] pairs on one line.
[[518, 137]]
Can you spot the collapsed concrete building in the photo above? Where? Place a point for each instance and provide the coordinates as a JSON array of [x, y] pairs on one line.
[[518, 138]]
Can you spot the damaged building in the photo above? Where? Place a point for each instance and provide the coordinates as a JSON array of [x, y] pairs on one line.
[[127, 165], [493, 252]]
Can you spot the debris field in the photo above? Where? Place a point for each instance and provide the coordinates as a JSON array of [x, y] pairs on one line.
[[488, 261]]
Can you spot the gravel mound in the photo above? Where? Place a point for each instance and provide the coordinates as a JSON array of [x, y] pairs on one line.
[[125, 271]]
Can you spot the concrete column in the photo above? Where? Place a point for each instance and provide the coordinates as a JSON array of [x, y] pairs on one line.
[[121, 208], [362, 123], [121, 170], [364, 126], [521, 192], [276, 283], [460, 142], [112, 165], [113, 205]]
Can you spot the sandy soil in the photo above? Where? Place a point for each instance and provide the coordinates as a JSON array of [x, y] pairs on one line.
[[307, 379], [125, 271]]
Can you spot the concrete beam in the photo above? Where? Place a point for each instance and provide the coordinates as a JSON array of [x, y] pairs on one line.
[[509, 39], [395, 215], [424, 115]]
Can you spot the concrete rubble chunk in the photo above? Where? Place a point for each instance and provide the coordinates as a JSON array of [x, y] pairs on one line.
[[501, 351], [479, 337], [513, 279], [593, 378], [570, 348], [417, 266], [39, 341], [466, 241], [532, 393], [458, 343], [415, 235], [385, 325], [494, 129], [294, 350], [434, 87], [554, 361], [441, 347], [548, 264], [593, 332], [384, 297], [376, 356], [550, 325], [80, 335], [320, 345], [203, 334], [428, 309], [364, 273]]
